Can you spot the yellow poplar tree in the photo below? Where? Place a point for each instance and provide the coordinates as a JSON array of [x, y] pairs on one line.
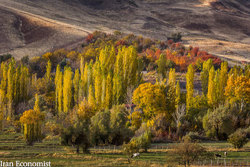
[[67, 89], [10, 89], [223, 80], [91, 97], [76, 86], [4, 76], [98, 84], [211, 93], [171, 94], [58, 71], [2, 108], [190, 85], [60, 92], [48, 72], [108, 94]]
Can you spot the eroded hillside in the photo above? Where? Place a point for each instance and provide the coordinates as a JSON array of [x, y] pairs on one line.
[[221, 27]]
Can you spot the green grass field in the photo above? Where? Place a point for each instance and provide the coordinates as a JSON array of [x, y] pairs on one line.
[[13, 147]]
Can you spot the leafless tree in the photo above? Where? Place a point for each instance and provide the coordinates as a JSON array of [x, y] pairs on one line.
[[179, 114]]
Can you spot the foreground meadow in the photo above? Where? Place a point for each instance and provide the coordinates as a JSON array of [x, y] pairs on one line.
[[13, 147]]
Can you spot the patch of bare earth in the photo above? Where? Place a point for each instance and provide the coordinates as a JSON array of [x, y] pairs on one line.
[[27, 34]]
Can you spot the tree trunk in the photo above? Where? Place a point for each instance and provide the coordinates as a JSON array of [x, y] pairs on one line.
[[217, 132], [77, 149]]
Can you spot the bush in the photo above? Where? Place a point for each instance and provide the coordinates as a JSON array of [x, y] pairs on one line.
[[238, 139], [145, 141], [176, 37], [130, 148], [136, 143], [193, 137], [78, 136], [188, 152]]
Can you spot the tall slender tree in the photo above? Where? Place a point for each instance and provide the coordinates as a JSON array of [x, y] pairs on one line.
[[67, 89], [76, 83], [205, 74], [211, 87], [189, 86]]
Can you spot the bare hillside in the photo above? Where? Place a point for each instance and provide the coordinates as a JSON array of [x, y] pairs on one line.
[[218, 26]]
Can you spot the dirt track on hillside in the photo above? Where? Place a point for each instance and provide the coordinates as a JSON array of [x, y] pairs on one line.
[[222, 28]]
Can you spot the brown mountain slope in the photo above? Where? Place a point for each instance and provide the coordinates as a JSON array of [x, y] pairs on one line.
[[221, 26]]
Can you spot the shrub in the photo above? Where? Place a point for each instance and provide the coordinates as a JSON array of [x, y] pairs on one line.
[[131, 148], [238, 139], [136, 143], [78, 136], [193, 137], [176, 37], [188, 152], [145, 141]]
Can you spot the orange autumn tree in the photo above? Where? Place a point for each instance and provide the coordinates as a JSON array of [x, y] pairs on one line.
[[32, 121]]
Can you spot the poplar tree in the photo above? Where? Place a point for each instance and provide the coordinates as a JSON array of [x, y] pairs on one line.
[[91, 97], [211, 87], [24, 83], [162, 66], [10, 89], [103, 91], [108, 94], [133, 67], [85, 80], [223, 80], [90, 75], [171, 93], [126, 65], [118, 96], [189, 85], [217, 88], [205, 74], [118, 81], [67, 89], [48, 72], [2, 108], [57, 77], [98, 87], [60, 92], [76, 86], [172, 77], [17, 85], [4, 76]]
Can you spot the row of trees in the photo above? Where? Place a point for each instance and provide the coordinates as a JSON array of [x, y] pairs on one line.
[[13, 88], [104, 83]]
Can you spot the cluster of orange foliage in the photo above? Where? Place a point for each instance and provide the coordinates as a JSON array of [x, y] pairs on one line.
[[182, 56]]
